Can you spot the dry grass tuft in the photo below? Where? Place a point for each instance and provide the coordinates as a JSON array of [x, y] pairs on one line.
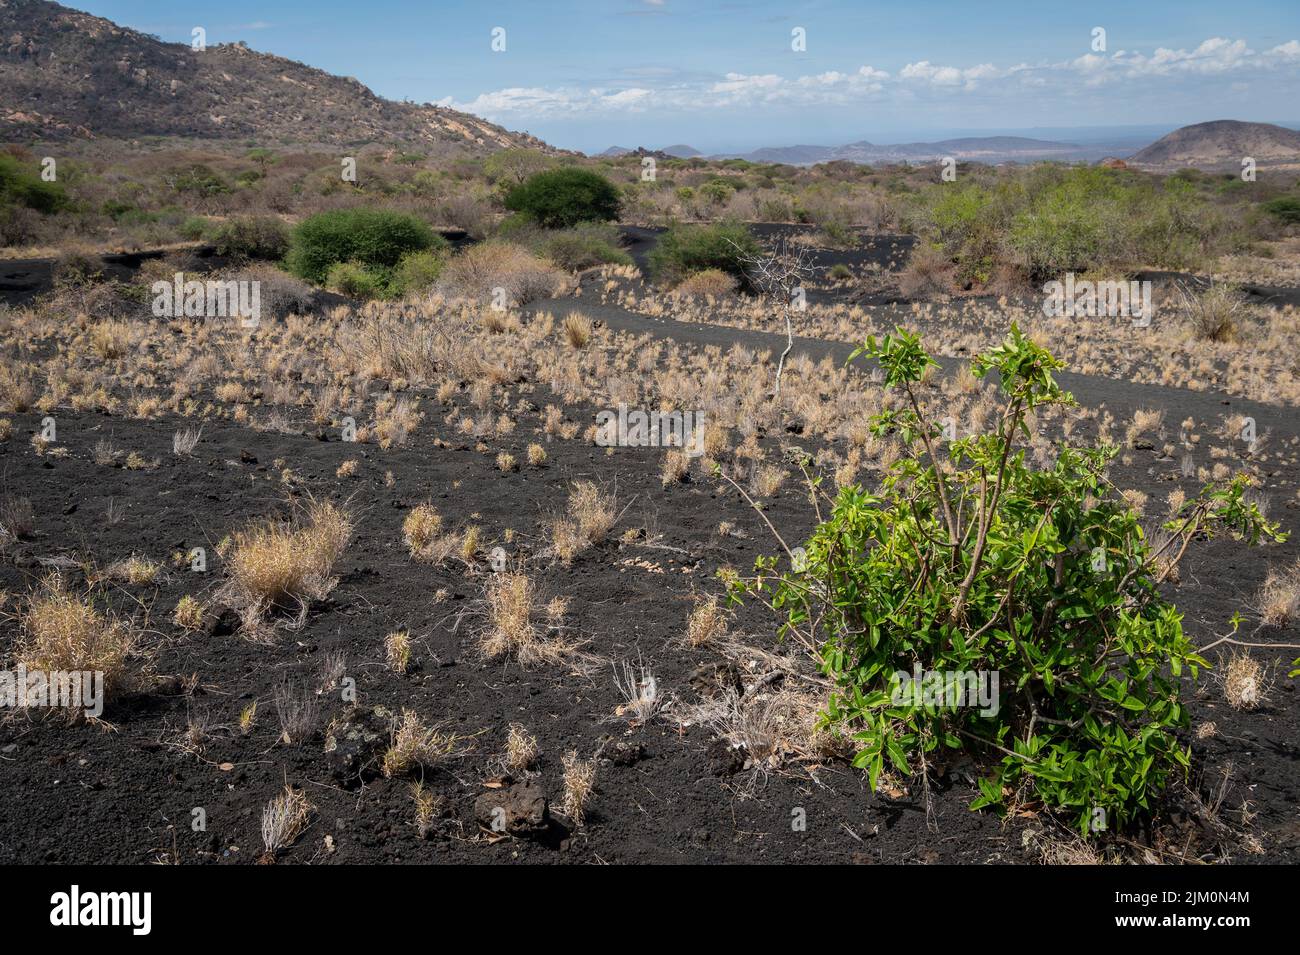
[[521, 749], [513, 629], [278, 564], [63, 631], [1244, 683], [577, 330], [591, 515], [188, 614], [1279, 598], [579, 782], [414, 744], [397, 651], [707, 623], [284, 819]]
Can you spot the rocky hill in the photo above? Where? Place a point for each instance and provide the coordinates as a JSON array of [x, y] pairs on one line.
[[68, 74], [1221, 144]]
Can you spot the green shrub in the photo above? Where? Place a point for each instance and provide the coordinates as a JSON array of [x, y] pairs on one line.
[[194, 228], [693, 248], [984, 564], [252, 237], [1284, 208], [355, 280], [375, 238], [418, 271], [21, 187], [583, 247], [199, 180], [560, 198]]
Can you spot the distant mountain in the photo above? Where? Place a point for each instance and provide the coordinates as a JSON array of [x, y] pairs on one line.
[[681, 151], [1222, 144], [613, 152], [987, 149], [64, 73]]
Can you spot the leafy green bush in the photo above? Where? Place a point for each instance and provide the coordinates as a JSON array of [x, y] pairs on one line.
[[583, 247], [418, 271], [560, 198], [194, 228], [1052, 219], [375, 238], [355, 280], [693, 248], [1042, 576], [252, 237], [20, 187], [1285, 208]]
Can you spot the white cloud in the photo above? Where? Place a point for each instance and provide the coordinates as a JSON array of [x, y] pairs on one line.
[[1212, 61]]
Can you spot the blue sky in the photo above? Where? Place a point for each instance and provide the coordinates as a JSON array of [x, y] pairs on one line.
[[723, 76]]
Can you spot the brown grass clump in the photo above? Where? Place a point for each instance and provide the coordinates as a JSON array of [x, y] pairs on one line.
[[284, 819], [1214, 314], [1244, 683], [276, 564], [421, 528], [397, 651], [507, 463], [414, 744], [1279, 598], [63, 631], [577, 330], [475, 273], [579, 782], [707, 623], [676, 465], [711, 283], [591, 514], [513, 628], [928, 272], [521, 749], [188, 614], [536, 455]]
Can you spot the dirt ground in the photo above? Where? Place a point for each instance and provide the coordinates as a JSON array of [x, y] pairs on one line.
[[126, 790]]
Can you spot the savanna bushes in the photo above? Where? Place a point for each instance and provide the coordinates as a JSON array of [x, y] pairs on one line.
[[1051, 219], [362, 251]]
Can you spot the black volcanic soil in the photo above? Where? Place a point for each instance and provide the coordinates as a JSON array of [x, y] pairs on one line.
[[125, 792]]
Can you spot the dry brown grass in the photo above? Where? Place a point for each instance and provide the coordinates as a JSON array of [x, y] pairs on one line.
[[397, 651], [676, 465], [577, 330], [188, 614], [1279, 598], [591, 514], [475, 273], [284, 819], [514, 629], [579, 782], [421, 529], [708, 283], [521, 749], [64, 631], [279, 564], [707, 623], [1245, 685], [415, 744]]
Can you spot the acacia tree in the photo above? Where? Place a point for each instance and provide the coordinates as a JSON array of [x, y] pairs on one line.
[[967, 560]]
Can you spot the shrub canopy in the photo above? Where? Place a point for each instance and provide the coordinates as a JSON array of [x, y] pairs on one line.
[[376, 239], [684, 250], [561, 198]]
